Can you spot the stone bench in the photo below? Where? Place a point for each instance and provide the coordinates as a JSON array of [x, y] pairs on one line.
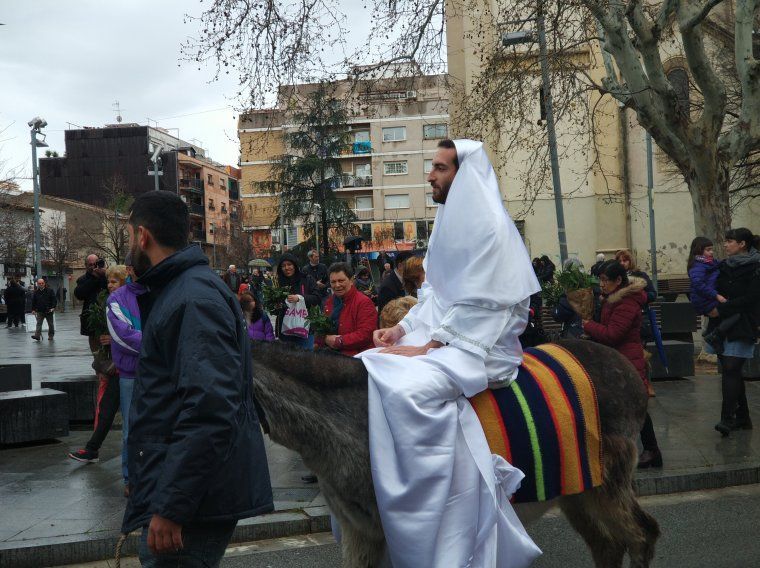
[[15, 377], [33, 414], [680, 355], [82, 393]]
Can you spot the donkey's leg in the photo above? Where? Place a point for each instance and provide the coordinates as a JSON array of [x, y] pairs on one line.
[[359, 551], [609, 517]]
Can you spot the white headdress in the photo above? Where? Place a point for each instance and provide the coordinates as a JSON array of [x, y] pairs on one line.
[[476, 255]]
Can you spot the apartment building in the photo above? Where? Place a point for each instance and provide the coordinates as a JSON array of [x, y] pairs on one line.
[[395, 127]]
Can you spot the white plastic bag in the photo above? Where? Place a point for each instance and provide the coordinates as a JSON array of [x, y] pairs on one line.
[[294, 321]]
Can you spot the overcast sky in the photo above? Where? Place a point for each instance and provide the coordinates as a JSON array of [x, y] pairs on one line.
[[70, 60]]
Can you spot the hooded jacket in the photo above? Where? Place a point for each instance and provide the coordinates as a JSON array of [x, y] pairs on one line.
[[14, 298], [300, 284], [702, 291], [619, 324], [196, 453]]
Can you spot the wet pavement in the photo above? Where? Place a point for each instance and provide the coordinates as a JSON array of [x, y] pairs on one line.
[[47, 497]]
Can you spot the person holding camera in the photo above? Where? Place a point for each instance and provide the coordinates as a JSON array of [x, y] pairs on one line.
[[89, 285]]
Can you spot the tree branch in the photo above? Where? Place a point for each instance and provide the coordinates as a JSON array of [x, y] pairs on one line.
[[698, 16]]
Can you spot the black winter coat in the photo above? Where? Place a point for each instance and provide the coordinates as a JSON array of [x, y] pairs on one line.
[[390, 289], [741, 286], [195, 448], [14, 298], [87, 290], [300, 283], [44, 300]]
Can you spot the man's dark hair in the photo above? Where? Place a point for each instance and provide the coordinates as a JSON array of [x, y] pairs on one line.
[[403, 256], [165, 215], [448, 143], [341, 267]]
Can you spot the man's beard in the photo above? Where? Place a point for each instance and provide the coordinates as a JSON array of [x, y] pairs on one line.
[[441, 194], [139, 260]]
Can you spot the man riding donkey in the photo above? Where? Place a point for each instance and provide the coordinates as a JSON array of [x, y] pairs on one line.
[[443, 497]]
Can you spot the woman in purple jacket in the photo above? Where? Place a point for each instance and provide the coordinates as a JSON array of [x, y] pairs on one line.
[[259, 325]]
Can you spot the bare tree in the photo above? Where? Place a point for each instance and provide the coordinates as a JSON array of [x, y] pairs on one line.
[[111, 240], [270, 44], [16, 226], [60, 245]]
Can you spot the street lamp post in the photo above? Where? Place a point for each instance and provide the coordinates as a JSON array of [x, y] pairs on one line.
[[37, 124], [516, 38]]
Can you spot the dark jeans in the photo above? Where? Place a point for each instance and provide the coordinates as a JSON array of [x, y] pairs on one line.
[[51, 324], [204, 546], [734, 394], [108, 404], [648, 439]]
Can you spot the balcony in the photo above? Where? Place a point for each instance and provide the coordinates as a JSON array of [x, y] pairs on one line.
[[234, 216], [192, 185], [362, 147], [350, 180], [199, 235], [196, 209]]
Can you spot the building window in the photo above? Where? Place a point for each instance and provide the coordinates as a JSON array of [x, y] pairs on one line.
[[430, 227], [363, 170], [429, 200], [291, 236], [361, 136], [427, 166], [679, 78], [221, 183], [395, 168], [211, 204], [398, 230], [364, 203], [276, 236], [210, 180], [432, 131], [422, 233], [397, 201], [394, 134], [366, 231], [224, 207]]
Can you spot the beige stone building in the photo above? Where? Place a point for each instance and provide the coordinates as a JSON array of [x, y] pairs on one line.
[[395, 128], [605, 203]]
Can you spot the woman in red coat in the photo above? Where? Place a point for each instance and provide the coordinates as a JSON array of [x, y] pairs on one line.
[[352, 310], [620, 328]]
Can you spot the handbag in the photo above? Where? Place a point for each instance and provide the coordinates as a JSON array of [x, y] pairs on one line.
[[103, 364], [294, 322]]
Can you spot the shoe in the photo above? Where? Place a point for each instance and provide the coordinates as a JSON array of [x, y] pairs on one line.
[[715, 341], [649, 459], [85, 456], [36, 337], [50, 338], [309, 478], [724, 427], [650, 391]]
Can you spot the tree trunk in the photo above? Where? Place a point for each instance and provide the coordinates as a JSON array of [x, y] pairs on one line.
[[325, 234], [710, 200]]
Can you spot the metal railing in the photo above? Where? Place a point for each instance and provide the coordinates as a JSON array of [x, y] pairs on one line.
[[192, 184], [197, 209]]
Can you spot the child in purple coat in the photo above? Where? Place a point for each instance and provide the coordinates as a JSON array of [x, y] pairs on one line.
[[259, 326], [703, 274]]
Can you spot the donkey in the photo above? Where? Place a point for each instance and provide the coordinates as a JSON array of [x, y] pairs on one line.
[[315, 403]]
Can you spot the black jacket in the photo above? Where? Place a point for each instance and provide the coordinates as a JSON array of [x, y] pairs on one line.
[[740, 285], [43, 300], [318, 273], [195, 449], [300, 283], [87, 290], [391, 288], [14, 298]]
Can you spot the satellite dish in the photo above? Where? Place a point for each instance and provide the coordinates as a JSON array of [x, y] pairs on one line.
[[118, 118]]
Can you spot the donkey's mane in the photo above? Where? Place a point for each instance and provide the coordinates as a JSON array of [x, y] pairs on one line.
[[321, 369]]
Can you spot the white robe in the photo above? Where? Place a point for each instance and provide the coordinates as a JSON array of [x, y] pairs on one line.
[[443, 497]]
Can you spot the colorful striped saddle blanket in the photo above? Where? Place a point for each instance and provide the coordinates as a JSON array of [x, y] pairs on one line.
[[546, 423]]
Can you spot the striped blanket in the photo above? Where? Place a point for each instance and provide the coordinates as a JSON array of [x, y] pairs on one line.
[[546, 423]]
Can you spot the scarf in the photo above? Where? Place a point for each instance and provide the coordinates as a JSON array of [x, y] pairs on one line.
[[337, 308], [750, 257]]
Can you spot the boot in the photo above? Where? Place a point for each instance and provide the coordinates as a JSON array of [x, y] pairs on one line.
[[650, 458], [725, 427]]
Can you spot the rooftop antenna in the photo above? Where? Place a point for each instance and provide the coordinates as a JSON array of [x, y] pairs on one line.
[[149, 119], [115, 106]]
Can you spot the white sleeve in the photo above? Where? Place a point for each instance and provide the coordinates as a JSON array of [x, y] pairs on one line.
[[412, 316], [472, 328]]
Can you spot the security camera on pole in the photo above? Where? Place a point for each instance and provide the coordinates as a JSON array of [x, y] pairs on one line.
[[36, 125]]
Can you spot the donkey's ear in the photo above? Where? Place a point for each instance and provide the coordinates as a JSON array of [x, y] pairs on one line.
[[320, 369]]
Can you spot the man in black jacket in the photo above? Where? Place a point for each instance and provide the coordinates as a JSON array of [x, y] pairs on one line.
[[392, 285], [89, 285], [43, 306], [196, 454], [318, 273], [14, 299]]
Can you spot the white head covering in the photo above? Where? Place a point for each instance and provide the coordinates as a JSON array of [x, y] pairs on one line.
[[476, 255]]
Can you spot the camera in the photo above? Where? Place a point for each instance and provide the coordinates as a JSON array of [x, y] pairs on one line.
[[100, 264]]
